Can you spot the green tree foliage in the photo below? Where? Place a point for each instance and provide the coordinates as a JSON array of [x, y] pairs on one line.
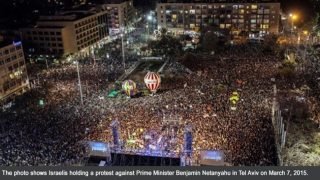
[[190, 61], [287, 69], [210, 41], [290, 60], [270, 43], [166, 45]]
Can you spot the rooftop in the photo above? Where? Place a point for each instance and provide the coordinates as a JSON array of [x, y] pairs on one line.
[[49, 27], [218, 1], [81, 7], [65, 16], [110, 1], [8, 43]]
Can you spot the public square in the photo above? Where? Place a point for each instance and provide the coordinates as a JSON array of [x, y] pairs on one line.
[[253, 98]]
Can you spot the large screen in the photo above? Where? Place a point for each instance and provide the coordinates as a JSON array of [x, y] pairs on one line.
[[98, 149], [212, 158]]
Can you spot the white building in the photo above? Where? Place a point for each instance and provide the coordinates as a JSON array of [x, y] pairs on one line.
[[13, 71]]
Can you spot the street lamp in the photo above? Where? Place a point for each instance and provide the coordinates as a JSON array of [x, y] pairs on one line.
[[307, 36], [123, 58], [79, 81], [147, 27], [293, 18], [46, 58], [149, 19]]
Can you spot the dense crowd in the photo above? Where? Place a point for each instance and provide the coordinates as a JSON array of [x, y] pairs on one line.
[[50, 134]]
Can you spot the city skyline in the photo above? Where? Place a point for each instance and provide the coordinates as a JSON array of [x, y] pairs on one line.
[[173, 83]]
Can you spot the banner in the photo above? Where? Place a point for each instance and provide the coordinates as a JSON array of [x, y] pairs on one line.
[[210, 173]]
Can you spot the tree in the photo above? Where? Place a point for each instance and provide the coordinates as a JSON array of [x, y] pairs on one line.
[[287, 69], [270, 43], [167, 45], [210, 41]]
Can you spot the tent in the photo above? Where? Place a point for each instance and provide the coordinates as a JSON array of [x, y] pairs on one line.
[[113, 94]]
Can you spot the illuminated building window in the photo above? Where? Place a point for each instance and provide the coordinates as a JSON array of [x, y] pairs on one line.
[[254, 7], [222, 26]]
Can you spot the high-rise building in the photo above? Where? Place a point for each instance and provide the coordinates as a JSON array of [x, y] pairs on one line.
[[237, 16], [13, 71], [77, 29], [66, 33], [121, 14]]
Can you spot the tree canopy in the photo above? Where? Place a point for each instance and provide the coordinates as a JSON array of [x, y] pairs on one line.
[[166, 45], [210, 41]]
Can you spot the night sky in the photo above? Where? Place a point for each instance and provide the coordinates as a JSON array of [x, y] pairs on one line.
[[22, 12], [303, 8]]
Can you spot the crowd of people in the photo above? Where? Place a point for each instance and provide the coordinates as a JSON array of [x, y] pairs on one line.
[[50, 134]]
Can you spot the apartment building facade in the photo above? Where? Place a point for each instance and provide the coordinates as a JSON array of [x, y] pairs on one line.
[[79, 29], [66, 33], [121, 14], [238, 17], [13, 71]]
